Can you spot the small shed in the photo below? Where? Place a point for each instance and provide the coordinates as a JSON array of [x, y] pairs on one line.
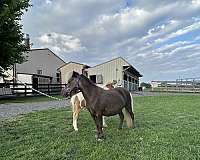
[[69, 67]]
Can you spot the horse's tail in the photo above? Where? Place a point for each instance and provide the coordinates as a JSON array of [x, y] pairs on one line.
[[127, 116]]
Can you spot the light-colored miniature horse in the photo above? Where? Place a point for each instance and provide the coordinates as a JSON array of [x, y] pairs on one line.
[[100, 102], [78, 102]]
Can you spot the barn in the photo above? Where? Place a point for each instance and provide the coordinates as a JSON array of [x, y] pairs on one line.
[[40, 67], [117, 70]]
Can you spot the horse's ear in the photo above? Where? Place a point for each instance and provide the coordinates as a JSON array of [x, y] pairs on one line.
[[75, 74]]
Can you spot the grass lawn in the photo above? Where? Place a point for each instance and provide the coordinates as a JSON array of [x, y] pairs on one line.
[[27, 99], [166, 128]]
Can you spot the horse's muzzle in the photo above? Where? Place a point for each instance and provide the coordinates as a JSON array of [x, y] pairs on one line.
[[65, 92]]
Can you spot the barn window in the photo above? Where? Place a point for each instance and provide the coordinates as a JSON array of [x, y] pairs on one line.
[[93, 78], [99, 79], [39, 71]]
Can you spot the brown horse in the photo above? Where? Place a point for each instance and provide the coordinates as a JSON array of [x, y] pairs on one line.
[[78, 102], [102, 102]]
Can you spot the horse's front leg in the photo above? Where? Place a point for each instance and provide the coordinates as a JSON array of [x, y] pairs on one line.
[[99, 124]]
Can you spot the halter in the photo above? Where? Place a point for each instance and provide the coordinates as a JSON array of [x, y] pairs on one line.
[[77, 82], [77, 87]]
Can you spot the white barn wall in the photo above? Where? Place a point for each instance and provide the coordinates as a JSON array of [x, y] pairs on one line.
[[108, 70], [41, 59]]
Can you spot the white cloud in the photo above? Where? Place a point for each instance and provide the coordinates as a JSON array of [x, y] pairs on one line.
[[194, 26], [48, 1], [61, 43], [147, 33]]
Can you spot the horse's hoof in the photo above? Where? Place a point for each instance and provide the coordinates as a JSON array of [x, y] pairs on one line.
[[76, 129], [99, 139], [105, 125]]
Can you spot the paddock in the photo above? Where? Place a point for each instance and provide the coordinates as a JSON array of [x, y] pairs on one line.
[[167, 127]]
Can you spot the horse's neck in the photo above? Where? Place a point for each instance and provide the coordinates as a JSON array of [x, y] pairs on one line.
[[87, 88]]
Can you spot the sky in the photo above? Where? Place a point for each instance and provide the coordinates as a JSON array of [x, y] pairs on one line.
[[161, 39]]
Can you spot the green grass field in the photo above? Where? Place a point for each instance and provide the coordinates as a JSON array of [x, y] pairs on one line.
[[166, 128]]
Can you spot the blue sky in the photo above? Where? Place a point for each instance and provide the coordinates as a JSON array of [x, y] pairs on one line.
[[161, 39]]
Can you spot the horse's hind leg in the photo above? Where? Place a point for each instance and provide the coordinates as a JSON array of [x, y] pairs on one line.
[[121, 116], [104, 122]]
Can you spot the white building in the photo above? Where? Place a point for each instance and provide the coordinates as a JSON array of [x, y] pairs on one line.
[[155, 84]]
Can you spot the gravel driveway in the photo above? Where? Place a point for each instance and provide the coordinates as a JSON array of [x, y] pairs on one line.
[[10, 110]]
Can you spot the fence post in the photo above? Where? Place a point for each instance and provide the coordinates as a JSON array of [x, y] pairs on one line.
[[25, 93], [48, 89], [193, 86]]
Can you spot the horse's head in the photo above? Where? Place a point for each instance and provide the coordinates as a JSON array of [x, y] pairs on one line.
[[72, 84]]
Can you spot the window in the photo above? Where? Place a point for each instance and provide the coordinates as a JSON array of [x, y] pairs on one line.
[[99, 79], [93, 78], [39, 72]]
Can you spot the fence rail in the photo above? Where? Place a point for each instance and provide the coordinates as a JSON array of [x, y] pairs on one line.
[[190, 85], [18, 89]]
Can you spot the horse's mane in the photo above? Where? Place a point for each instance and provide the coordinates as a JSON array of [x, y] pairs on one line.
[[87, 79], [90, 82]]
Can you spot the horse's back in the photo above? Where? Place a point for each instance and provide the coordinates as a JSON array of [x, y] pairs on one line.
[[122, 91], [117, 95]]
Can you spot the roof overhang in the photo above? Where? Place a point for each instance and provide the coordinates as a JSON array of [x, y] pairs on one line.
[[132, 70], [35, 75], [84, 65]]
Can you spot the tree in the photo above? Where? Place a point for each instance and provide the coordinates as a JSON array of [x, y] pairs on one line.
[[11, 36], [146, 85]]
